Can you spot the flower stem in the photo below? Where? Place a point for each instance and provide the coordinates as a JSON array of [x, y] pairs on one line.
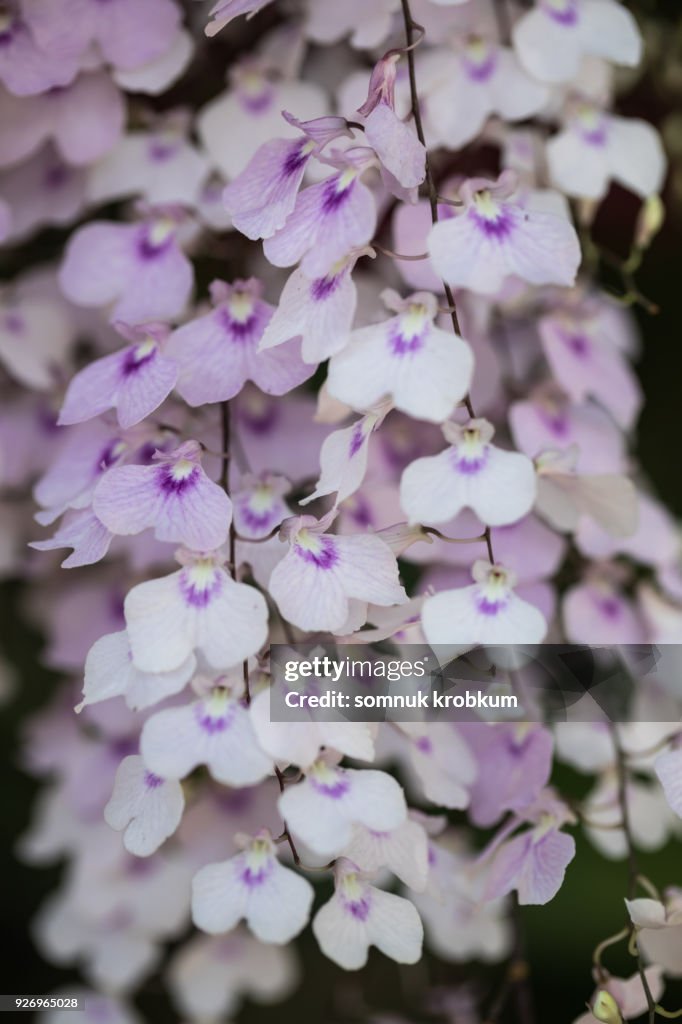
[[410, 28]]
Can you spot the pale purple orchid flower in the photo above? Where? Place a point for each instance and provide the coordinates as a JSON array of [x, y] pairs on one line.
[[218, 352]]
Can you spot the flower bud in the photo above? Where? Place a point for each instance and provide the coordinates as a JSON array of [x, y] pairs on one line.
[[649, 222], [586, 210], [605, 1008]]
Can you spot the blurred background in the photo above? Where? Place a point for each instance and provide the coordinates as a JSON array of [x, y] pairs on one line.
[[559, 937]]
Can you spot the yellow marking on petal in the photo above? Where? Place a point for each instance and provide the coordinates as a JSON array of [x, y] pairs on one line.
[[486, 205], [346, 178], [202, 573], [471, 443], [477, 49], [161, 230], [589, 116], [261, 499], [322, 772], [253, 83], [182, 469], [352, 886], [240, 305], [258, 853], [413, 320], [144, 349], [309, 542], [216, 703]]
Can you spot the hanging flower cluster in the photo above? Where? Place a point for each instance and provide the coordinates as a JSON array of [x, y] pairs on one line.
[[311, 363]]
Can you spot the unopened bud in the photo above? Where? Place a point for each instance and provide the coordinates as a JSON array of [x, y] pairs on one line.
[[605, 1008], [649, 222], [402, 536], [587, 211]]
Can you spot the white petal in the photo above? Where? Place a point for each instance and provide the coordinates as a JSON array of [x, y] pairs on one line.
[[636, 155], [576, 167], [109, 672], [430, 491], [610, 31], [452, 619], [342, 937], [279, 910], [149, 809], [343, 461], [234, 627], [669, 770], [394, 927], [645, 913], [404, 850], [426, 383], [160, 625], [310, 597], [319, 820], [375, 799], [219, 897], [549, 50]]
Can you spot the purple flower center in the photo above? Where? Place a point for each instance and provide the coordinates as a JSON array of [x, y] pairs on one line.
[[323, 554], [109, 456], [359, 909], [610, 607], [261, 420], [323, 287], [565, 13], [256, 520], [469, 465], [360, 512], [159, 152], [133, 361], [295, 159], [424, 745], [556, 422], [56, 177], [487, 607], [242, 331], [11, 29], [480, 70], [333, 196], [152, 781], [176, 485], [13, 322], [211, 723], [200, 595], [148, 249], [257, 103], [401, 345], [356, 440], [578, 344], [334, 790], [253, 878], [498, 227]]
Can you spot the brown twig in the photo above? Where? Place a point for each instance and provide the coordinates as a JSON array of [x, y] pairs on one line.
[[410, 27]]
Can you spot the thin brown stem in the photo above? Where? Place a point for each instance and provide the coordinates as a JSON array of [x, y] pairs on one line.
[[410, 28], [286, 834], [226, 455], [399, 255], [633, 869], [453, 540]]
